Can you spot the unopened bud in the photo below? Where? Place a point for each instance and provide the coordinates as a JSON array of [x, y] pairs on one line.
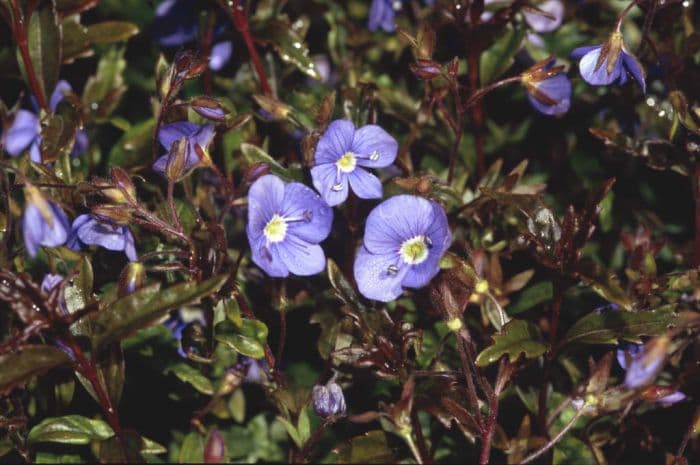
[[215, 449], [328, 400], [114, 214], [122, 180], [426, 69], [256, 171], [273, 107], [131, 278], [209, 108], [177, 158]]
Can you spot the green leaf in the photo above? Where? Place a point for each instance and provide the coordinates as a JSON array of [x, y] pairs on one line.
[[192, 449], [288, 43], [57, 136], [103, 92], [254, 154], [134, 147], [371, 447], [499, 57], [242, 344], [44, 43], [71, 429], [18, 367], [343, 287], [76, 43], [191, 375], [572, 450], [609, 327], [518, 337], [47, 457], [138, 310], [292, 431], [111, 31], [531, 296], [248, 338]]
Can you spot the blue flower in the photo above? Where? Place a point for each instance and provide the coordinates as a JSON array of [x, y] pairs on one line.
[[43, 222], [92, 230], [541, 23], [328, 400], [608, 63], [176, 24], [405, 237], [382, 13], [286, 222], [340, 154], [49, 282], [195, 135], [548, 88], [642, 362], [25, 131]]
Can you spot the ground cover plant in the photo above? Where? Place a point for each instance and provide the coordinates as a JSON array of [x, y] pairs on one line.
[[355, 231]]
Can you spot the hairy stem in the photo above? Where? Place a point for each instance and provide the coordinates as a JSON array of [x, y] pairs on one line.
[[554, 440]]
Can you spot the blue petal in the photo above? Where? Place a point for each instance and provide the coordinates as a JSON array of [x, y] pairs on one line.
[[579, 52], [374, 281], [672, 398], [220, 55], [302, 202], [203, 135], [300, 257], [541, 23], [441, 238], [326, 176], [632, 65], [365, 185], [265, 257], [81, 143], [600, 76], [50, 281], [35, 151], [334, 142], [395, 220], [557, 88], [372, 138], [170, 133], [103, 234], [160, 164], [24, 131], [38, 232], [642, 371], [129, 245], [58, 93], [265, 198], [381, 14], [73, 241]]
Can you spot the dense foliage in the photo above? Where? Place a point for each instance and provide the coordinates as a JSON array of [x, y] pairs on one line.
[[350, 231]]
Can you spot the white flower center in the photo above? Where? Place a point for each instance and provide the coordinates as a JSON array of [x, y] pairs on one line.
[[276, 229], [414, 251], [347, 162]]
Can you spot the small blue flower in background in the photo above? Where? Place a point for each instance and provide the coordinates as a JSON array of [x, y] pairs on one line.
[[43, 222], [340, 154], [176, 24], [541, 23], [641, 371], [49, 282], [178, 321], [405, 237], [548, 88], [383, 12], [25, 131], [195, 134], [286, 222], [92, 230], [328, 399], [608, 63]]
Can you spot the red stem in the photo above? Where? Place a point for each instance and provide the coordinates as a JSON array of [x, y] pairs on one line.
[[696, 189], [20, 33], [239, 19], [477, 115]]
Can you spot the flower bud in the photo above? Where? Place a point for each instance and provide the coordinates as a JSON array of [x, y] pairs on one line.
[[328, 400], [208, 107], [122, 180], [256, 171], [115, 214], [425, 69], [215, 449], [275, 108], [131, 278], [176, 161]]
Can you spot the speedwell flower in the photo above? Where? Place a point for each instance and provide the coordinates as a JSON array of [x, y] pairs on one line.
[[383, 12], [608, 63], [43, 222], [548, 88], [176, 24], [25, 131], [93, 230], [405, 237], [196, 136], [286, 222], [548, 22], [340, 154], [643, 362], [328, 399]]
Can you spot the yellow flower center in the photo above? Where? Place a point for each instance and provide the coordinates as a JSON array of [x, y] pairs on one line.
[[347, 163], [414, 251], [276, 229]]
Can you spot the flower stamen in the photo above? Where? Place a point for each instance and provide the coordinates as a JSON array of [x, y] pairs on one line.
[[347, 163], [414, 251]]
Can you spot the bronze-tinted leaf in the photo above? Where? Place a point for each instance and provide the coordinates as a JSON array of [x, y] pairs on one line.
[[19, 367]]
